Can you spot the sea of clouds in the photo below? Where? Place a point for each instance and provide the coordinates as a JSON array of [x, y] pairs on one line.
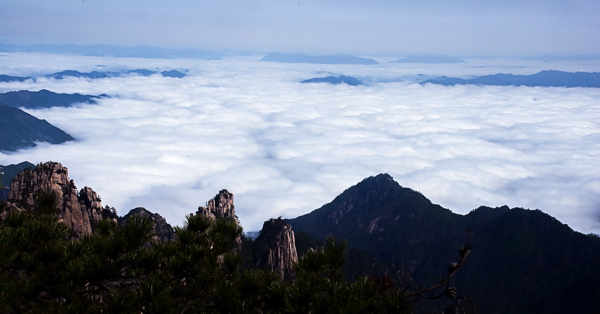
[[286, 148]]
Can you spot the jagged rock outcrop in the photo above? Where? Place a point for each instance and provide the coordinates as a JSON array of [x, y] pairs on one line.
[[9, 172], [80, 211], [277, 242], [221, 206], [89, 200], [164, 230]]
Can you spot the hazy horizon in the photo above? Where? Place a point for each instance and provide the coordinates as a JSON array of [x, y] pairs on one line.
[[458, 28]]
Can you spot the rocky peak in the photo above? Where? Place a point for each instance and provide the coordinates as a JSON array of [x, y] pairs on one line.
[[89, 200], [221, 206], [279, 246], [164, 230], [80, 211]]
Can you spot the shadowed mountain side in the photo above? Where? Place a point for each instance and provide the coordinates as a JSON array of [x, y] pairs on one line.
[[301, 58], [335, 80], [429, 59], [549, 78], [378, 214], [21, 130], [521, 259], [44, 99]]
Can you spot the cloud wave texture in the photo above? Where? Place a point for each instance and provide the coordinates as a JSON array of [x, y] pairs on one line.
[[286, 148]]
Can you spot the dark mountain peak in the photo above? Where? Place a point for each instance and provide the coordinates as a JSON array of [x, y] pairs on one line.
[[382, 178], [376, 205], [534, 219], [140, 211], [523, 261], [382, 187], [483, 214], [163, 230]]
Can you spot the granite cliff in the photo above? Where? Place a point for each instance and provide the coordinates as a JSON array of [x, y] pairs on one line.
[[277, 245], [221, 206], [80, 210]]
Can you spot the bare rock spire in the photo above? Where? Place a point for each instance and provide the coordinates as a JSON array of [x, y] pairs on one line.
[[221, 206], [279, 247]]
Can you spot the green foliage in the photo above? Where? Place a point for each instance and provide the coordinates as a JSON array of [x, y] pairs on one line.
[[121, 269]]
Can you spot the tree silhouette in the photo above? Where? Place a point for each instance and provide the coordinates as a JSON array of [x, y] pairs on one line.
[[122, 269]]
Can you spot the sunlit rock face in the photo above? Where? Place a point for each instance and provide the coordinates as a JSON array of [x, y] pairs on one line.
[[279, 247], [81, 211], [221, 206]]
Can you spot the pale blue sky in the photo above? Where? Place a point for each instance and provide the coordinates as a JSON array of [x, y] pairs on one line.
[[360, 27]]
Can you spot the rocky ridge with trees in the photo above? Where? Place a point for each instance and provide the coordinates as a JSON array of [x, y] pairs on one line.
[[53, 260]]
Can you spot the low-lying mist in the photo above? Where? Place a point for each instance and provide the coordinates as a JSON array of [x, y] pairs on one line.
[[286, 148]]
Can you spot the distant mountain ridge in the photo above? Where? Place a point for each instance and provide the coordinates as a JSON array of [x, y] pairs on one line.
[[100, 75], [45, 99], [115, 51], [19, 129], [429, 59], [523, 261], [550, 78], [330, 59], [335, 80], [94, 74], [9, 78]]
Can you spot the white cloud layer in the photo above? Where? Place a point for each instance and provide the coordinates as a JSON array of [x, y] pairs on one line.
[[285, 148]]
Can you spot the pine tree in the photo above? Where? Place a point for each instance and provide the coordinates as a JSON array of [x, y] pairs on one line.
[[122, 269]]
